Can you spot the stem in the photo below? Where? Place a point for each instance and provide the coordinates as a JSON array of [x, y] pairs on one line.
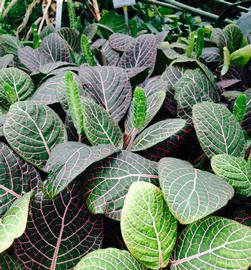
[[79, 137], [96, 10], [9, 7], [2, 6], [228, 4], [59, 14], [131, 137], [45, 15]]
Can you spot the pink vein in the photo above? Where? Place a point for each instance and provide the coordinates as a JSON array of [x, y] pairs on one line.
[[12, 192]]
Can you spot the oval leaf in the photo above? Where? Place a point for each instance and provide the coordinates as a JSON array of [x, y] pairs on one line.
[[191, 194], [110, 259], [148, 228], [214, 243], [234, 170], [33, 130], [8, 263], [107, 182], [217, 130]]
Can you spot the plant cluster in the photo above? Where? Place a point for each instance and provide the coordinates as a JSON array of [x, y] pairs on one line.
[[125, 152]]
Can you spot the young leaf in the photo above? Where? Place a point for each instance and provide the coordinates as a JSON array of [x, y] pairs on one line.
[[109, 259], [199, 42], [190, 46], [214, 243], [156, 133], [226, 61], [240, 107], [148, 228], [13, 222], [107, 181], [72, 15], [99, 126], [59, 232], [9, 93], [86, 50], [17, 177], [33, 130], [74, 103], [140, 107], [70, 159], [235, 171], [36, 38], [191, 194], [233, 37], [109, 87], [217, 130], [242, 56]]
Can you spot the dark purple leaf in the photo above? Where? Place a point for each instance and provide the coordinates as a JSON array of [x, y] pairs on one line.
[[246, 123], [120, 42], [59, 232], [6, 60], [8, 263], [71, 36]]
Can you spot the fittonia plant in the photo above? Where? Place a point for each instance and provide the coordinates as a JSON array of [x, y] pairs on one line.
[[122, 152]]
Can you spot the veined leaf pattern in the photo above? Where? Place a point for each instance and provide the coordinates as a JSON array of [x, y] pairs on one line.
[[8, 263]]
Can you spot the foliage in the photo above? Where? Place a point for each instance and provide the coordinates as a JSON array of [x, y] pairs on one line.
[[113, 141]]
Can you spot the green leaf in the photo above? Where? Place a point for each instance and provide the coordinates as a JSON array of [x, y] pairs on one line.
[[234, 170], [8, 263], [109, 259], [190, 46], [242, 56], [74, 102], [107, 181], [240, 107], [9, 93], [99, 126], [148, 228], [191, 194], [33, 130], [213, 243], [13, 223], [233, 36], [199, 42], [217, 130], [70, 159], [156, 133], [140, 107], [226, 61], [86, 50], [19, 81]]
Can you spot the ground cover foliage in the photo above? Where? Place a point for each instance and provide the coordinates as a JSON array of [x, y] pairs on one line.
[[125, 151]]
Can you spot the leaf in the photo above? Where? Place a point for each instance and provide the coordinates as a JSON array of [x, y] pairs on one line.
[[244, 23], [8, 263], [243, 216], [33, 130], [99, 126], [70, 159], [226, 61], [191, 194], [56, 48], [193, 87], [156, 133], [10, 44], [71, 36], [199, 42], [240, 107], [110, 259], [59, 232], [214, 242], [246, 123], [107, 181], [120, 42], [233, 36], [140, 53], [13, 222], [217, 130], [139, 107], [242, 56], [211, 55], [19, 81], [6, 60], [86, 51], [148, 228], [235, 171], [108, 86], [17, 177]]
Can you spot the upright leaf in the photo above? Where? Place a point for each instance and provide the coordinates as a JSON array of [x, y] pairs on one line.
[[199, 42], [33, 130], [108, 86], [233, 36], [70, 159], [99, 126], [215, 243], [191, 194], [13, 222], [86, 50], [148, 228], [217, 130], [234, 170], [107, 181], [226, 61], [242, 56], [140, 108], [110, 259], [59, 232], [240, 107]]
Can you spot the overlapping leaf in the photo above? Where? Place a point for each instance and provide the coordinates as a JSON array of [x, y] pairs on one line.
[[8, 263], [19, 81], [108, 86], [33, 130], [99, 126], [70, 159], [10, 44], [246, 122], [107, 182], [192, 88], [157, 132], [234, 170], [215, 243], [59, 232], [71, 36], [217, 130], [191, 194], [16, 177], [6, 60], [148, 228], [120, 42], [13, 222], [109, 259]]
